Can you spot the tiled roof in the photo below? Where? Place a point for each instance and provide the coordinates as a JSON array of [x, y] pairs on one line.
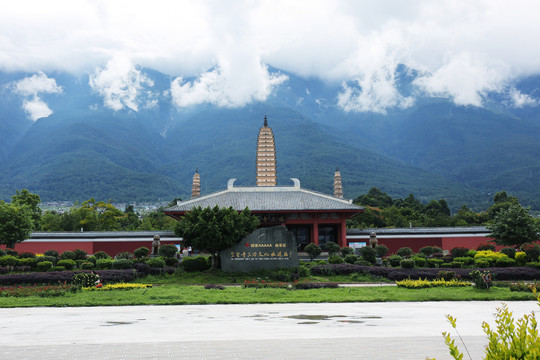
[[271, 198]]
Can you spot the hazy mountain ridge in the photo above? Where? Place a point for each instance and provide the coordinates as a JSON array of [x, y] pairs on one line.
[[433, 149]]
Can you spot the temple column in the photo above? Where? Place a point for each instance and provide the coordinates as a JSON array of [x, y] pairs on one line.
[[343, 233], [315, 234]]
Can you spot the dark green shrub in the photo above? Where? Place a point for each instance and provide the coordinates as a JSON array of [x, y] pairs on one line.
[[405, 252], [122, 264], [8, 260], [67, 263], [482, 280], [282, 275], [430, 250], [124, 255], [435, 263], [141, 252], [79, 262], [532, 251], [509, 251], [457, 264], [483, 247], [321, 262], [168, 251], [103, 264], [481, 263], [26, 255], [446, 275], [419, 261], [102, 255], [92, 259], [303, 271], [85, 279], [332, 248], [313, 251], [505, 262], [368, 253], [87, 265], [407, 263], [52, 253], [67, 255], [12, 252], [363, 262], [80, 254], [394, 260], [351, 258], [26, 262], [197, 263], [44, 266], [346, 251], [465, 260], [446, 265], [171, 261], [459, 251], [335, 259], [156, 262], [57, 268], [2, 252], [381, 250]]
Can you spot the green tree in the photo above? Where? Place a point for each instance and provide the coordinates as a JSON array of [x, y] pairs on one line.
[[513, 226], [15, 223], [313, 251], [215, 229], [375, 198], [26, 198]]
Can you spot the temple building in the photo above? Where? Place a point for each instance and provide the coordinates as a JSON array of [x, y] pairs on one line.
[[314, 217]]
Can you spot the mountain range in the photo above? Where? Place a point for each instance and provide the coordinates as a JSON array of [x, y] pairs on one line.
[[433, 148]]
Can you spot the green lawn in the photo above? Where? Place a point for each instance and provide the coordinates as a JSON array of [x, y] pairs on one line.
[[171, 294]]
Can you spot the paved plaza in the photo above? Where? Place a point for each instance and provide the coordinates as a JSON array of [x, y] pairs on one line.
[[261, 331]]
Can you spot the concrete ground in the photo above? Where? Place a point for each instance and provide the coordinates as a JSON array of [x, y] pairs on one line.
[[260, 331]]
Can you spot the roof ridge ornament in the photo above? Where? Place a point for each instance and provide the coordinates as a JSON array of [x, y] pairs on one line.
[[265, 121], [230, 184], [296, 183]]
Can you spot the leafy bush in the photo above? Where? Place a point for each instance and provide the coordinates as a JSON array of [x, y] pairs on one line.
[[124, 255], [489, 256], [67, 255], [407, 263], [351, 258], [381, 250], [87, 265], [8, 260], [484, 247], [12, 252], [446, 275], [122, 264], [313, 251], [2, 252], [303, 271], [457, 264], [52, 253], [405, 252], [80, 254], [103, 264], [171, 261], [92, 259], [481, 263], [509, 251], [141, 252], [168, 251], [332, 248], [435, 263], [67, 263], [281, 275], [471, 253], [446, 265], [368, 254], [156, 262], [102, 255], [26, 262], [197, 263], [532, 251], [427, 250], [505, 262], [85, 279], [44, 265], [346, 251], [394, 260], [522, 287], [465, 260], [26, 255], [459, 251], [419, 261], [521, 258], [55, 277], [335, 259], [363, 262], [57, 268], [307, 286]]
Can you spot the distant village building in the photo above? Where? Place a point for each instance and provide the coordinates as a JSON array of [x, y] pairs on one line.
[[313, 217]]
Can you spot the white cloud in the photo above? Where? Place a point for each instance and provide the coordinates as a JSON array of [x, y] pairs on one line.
[[519, 100], [121, 84], [465, 79], [32, 86], [36, 108]]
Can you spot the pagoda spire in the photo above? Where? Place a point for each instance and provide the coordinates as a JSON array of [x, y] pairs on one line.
[[266, 156], [338, 188], [196, 187]]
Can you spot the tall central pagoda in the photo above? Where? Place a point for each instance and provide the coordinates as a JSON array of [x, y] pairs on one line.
[[266, 156]]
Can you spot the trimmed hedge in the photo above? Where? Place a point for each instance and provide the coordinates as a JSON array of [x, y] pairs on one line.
[[54, 277], [509, 273]]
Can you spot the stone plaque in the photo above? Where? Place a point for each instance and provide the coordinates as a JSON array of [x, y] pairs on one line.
[[265, 248]]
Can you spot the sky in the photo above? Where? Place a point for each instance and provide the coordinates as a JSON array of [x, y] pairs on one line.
[[220, 52]]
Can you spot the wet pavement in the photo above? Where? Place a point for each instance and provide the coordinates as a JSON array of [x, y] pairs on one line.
[[403, 330]]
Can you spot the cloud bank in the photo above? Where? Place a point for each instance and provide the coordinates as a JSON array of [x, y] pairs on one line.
[[218, 52], [30, 88]]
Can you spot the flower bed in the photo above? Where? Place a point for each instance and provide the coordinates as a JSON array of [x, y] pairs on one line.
[[36, 290], [422, 284], [120, 286]]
